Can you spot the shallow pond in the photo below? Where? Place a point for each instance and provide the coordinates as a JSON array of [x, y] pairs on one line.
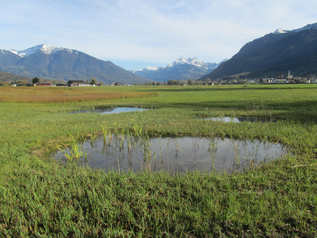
[[239, 119], [112, 110], [175, 154]]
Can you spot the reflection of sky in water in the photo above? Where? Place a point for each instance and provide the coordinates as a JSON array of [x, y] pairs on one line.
[[112, 110], [240, 119], [223, 119], [123, 109], [179, 154]]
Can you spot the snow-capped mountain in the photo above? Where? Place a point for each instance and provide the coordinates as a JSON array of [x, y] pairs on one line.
[[50, 62], [307, 27], [194, 61], [189, 61], [44, 48], [182, 68]]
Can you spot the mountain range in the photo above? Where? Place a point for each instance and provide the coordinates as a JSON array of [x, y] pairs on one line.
[[272, 55], [268, 56], [182, 68], [49, 62]]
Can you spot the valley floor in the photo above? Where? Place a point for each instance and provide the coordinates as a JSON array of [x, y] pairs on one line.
[[41, 197]]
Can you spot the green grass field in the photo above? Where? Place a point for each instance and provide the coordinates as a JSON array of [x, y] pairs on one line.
[[40, 197]]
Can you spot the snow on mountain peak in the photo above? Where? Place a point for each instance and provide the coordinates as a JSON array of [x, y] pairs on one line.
[[44, 48], [191, 61], [48, 49], [152, 68], [280, 31], [307, 27]]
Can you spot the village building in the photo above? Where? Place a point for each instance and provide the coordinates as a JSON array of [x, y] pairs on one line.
[[77, 83], [43, 84], [117, 84], [314, 80]]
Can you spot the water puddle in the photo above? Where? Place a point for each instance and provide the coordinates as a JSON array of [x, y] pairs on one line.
[[239, 119], [122, 154], [112, 110]]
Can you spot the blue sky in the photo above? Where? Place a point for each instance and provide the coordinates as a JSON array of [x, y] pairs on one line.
[[139, 33]]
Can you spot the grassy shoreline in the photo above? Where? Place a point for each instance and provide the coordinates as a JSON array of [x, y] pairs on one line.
[[40, 197]]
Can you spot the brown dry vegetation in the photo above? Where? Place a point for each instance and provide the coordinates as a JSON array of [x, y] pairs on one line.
[[63, 94]]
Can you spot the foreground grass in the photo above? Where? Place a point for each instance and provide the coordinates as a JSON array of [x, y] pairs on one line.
[[43, 199], [40, 197]]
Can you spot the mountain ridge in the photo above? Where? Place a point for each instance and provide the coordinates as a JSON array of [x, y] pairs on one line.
[[190, 60], [50, 62], [182, 68], [272, 55]]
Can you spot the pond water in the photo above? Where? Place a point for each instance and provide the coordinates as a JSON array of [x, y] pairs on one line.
[[175, 154], [112, 110], [239, 119]]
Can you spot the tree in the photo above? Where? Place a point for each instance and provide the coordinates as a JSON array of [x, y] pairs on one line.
[[172, 82], [207, 81], [93, 81], [22, 83], [55, 81], [4, 83], [190, 82], [35, 80]]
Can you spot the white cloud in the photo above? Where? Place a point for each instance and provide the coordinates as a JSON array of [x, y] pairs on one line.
[[147, 30]]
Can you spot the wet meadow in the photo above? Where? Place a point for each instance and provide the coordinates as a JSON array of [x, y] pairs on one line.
[[41, 196]]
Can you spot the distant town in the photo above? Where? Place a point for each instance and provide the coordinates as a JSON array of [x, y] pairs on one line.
[[312, 79]]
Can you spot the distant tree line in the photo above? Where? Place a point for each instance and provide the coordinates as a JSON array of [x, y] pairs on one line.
[[178, 82], [30, 82], [25, 81]]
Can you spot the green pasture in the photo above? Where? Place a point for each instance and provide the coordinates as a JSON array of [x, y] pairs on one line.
[[40, 197]]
